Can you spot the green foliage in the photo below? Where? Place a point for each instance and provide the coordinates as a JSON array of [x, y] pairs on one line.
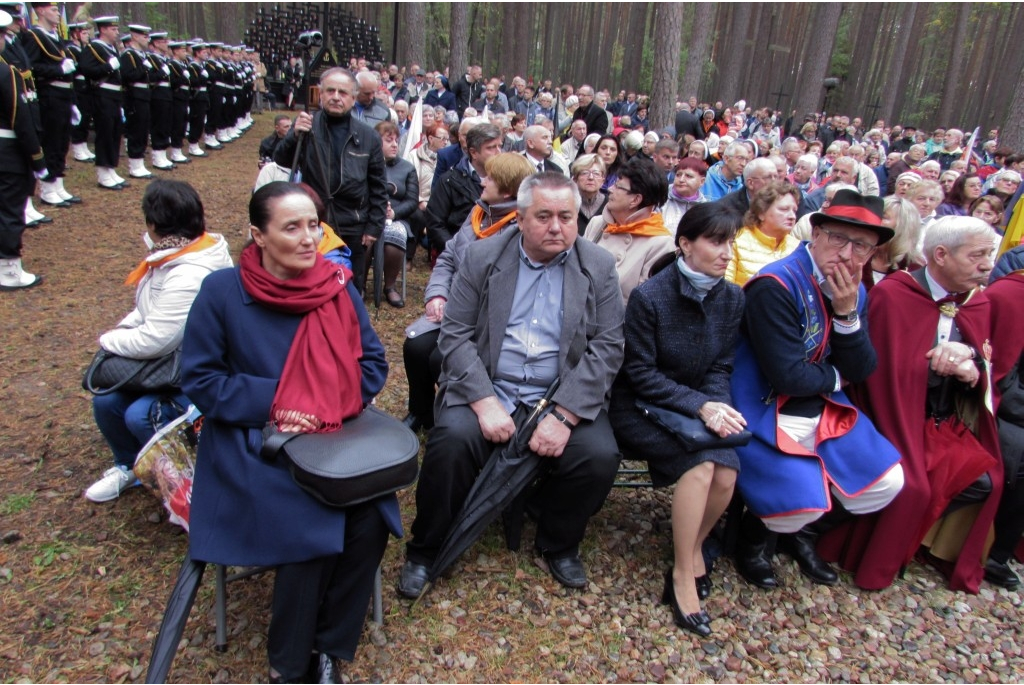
[[647, 58], [48, 553], [17, 503], [926, 108], [842, 55], [155, 16]]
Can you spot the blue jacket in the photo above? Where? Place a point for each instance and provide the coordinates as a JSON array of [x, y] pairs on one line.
[[246, 511], [791, 356]]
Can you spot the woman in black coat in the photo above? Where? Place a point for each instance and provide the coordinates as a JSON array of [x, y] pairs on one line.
[[403, 203], [681, 330]]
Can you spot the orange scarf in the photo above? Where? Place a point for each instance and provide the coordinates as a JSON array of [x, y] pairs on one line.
[[476, 218], [330, 241], [651, 227], [139, 272]]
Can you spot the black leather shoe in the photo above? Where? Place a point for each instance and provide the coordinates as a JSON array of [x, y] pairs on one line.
[[698, 622], [800, 546], [1000, 573], [568, 571], [755, 567], [412, 580], [412, 422], [327, 670], [703, 586]]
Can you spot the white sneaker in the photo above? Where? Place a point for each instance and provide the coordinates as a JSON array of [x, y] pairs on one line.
[[14, 277], [115, 480]]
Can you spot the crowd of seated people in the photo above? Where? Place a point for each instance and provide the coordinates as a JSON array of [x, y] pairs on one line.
[[640, 280]]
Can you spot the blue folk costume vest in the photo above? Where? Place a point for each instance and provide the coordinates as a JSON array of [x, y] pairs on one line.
[[778, 477]]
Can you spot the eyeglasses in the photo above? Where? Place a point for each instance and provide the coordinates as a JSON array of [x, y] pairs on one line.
[[628, 191], [840, 240], [444, 138], [592, 173]]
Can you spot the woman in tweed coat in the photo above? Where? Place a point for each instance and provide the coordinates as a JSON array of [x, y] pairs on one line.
[[681, 330]]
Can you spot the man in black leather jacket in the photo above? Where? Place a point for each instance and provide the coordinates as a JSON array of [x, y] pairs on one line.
[[343, 161]]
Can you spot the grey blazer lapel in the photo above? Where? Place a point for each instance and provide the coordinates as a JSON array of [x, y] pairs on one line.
[[501, 288], [575, 288]]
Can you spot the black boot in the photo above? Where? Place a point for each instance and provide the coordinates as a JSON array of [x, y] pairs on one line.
[[802, 545], [753, 560]]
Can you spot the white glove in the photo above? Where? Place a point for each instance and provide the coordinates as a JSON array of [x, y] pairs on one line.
[[149, 65], [114, 63], [41, 175], [76, 115], [205, 73], [122, 115], [68, 65], [166, 69]]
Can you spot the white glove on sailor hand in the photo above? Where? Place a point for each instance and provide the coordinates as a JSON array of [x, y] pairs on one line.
[[114, 63], [166, 69], [68, 65], [76, 115], [41, 175], [205, 73]]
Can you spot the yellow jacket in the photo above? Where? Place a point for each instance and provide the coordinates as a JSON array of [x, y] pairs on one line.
[[754, 250]]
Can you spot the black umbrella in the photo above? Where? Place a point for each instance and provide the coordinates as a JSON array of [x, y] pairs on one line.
[[510, 470], [183, 596]]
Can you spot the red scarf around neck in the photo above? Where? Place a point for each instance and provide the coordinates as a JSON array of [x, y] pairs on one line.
[[321, 376]]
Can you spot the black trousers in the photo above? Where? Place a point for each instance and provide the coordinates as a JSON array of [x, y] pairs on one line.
[[55, 107], [84, 100], [213, 115], [422, 361], [321, 604], [574, 491], [359, 259], [197, 110], [14, 190], [179, 120], [109, 128], [161, 119], [1009, 521], [417, 226], [136, 128]]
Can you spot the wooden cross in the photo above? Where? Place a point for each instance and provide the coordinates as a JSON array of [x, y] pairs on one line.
[[780, 93], [874, 110]]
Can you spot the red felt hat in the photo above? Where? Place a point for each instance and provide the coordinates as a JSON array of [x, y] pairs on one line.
[[853, 209]]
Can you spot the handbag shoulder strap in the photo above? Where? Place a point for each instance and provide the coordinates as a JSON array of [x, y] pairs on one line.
[[273, 442]]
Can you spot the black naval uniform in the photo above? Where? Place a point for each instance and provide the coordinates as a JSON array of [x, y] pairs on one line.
[[83, 97], [105, 90], [56, 95], [21, 155], [214, 119], [160, 102], [135, 71], [199, 101], [180, 92]]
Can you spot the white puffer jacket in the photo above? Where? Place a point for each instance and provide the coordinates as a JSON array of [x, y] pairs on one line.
[[162, 302]]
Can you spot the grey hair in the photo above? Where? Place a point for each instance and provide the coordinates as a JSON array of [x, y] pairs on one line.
[[584, 162], [733, 148], [549, 180], [918, 147], [809, 159], [367, 77], [952, 232], [759, 164], [481, 134], [534, 132], [1006, 173]]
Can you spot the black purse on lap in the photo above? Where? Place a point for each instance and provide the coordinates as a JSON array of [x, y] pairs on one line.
[[689, 430], [111, 372]]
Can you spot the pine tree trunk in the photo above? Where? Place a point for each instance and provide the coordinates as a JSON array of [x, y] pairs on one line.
[[414, 35], [668, 17], [729, 90], [700, 48], [458, 60], [953, 91], [809, 89], [1011, 133], [898, 74]]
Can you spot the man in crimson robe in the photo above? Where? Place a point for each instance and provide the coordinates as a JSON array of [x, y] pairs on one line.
[[930, 396]]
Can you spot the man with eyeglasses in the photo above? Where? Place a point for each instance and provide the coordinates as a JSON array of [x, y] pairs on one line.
[[931, 397], [595, 117], [726, 176], [814, 460]]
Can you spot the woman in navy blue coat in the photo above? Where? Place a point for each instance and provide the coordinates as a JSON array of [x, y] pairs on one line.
[[681, 330], [247, 511]]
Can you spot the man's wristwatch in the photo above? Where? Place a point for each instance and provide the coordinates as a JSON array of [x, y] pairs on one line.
[[846, 318], [560, 417]]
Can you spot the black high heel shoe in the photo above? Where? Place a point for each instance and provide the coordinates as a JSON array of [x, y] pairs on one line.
[[703, 584], [698, 623]]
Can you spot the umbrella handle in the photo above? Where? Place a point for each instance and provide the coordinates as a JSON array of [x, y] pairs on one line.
[[544, 402]]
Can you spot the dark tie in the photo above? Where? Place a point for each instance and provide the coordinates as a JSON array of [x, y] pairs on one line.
[[540, 167]]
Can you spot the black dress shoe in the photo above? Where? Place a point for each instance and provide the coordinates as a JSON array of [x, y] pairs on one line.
[[999, 573], [74, 199], [412, 580], [703, 586], [394, 298], [698, 622], [753, 563], [801, 547], [568, 571], [412, 422]]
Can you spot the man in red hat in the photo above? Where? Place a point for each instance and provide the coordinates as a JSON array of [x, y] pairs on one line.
[[931, 397], [814, 460]]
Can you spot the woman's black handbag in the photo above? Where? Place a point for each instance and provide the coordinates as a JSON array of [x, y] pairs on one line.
[[111, 372], [373, 455], [690, 430]]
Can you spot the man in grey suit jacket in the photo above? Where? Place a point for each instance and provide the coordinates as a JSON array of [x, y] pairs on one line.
[[526, 307]]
